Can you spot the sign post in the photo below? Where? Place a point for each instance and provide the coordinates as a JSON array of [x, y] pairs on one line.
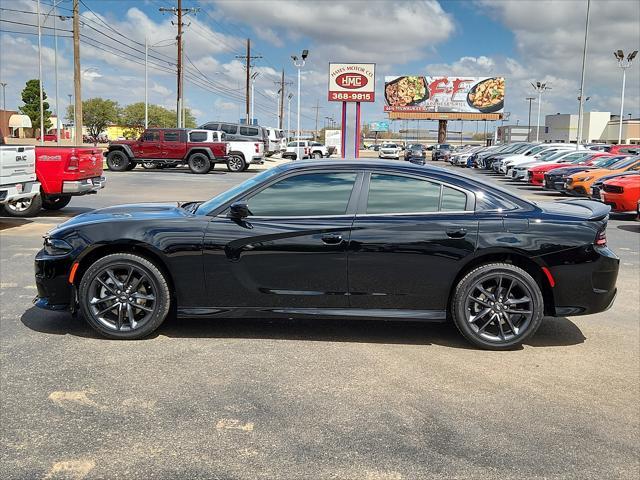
[[351, 84]]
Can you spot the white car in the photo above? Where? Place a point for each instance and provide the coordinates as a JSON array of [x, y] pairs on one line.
[[389, 150], [539, 157], [18, 179], [460, 158], [530, 154], [241, 154], [519, 172]]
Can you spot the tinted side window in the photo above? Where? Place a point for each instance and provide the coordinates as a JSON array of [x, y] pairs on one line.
[[249, 131], [398, 194], [453, 200], [229, 129], [486, 202], [197, 137], [305, 195], [171, 136], [153, 136], [212, 126]]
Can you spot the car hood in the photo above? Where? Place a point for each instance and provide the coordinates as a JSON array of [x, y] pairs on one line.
[[569, 170], [139, 211]]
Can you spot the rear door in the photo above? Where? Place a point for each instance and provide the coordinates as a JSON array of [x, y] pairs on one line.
[[173, 144], [150, 146], [409, 239]]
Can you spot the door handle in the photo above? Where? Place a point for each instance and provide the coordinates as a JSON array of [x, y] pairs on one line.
[[332, 238], [456, 232]]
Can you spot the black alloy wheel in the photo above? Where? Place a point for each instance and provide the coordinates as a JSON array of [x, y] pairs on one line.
[[124, 296], [199, 163], [117, 161], [131, 166], [236, 163], [497, 306], [55, 202]]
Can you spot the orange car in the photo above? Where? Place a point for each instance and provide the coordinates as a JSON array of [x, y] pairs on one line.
[[622, 193], [580, 183]]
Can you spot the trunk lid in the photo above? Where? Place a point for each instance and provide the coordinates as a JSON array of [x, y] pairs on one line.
[[17, 164]]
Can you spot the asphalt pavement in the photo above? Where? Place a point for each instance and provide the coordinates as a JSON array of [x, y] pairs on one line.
[[309, 399]]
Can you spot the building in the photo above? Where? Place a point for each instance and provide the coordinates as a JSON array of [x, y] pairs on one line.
[[597, 127], [518, 133]]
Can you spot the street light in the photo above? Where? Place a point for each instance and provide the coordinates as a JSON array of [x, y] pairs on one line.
[[289, 97], [299, 63], [529, 99], [623, 64], [254, 75], [540, 88], [4, 97]]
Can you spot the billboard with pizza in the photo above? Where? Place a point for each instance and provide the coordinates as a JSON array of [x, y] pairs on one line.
[[352, 82], [444, 94]]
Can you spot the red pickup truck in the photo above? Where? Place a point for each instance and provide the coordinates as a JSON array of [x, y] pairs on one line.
[[166, 147], [63, 172]]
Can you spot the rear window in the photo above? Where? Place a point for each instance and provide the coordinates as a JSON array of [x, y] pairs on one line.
[[229, 129], [173, 136], [389, 145], [198, 137], [249, 131]]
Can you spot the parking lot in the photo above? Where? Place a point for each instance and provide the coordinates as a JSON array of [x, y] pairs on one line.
[[315, 399]]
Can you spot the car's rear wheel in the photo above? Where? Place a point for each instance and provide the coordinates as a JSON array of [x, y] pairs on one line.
[[24, 207], [199, 163], [131, 165], [124, 296], [236, 163], [497, 306], [117, 161], [55, 202], [317, 155]]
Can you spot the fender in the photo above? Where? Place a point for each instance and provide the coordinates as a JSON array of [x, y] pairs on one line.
[[206, 150], [126, 148]]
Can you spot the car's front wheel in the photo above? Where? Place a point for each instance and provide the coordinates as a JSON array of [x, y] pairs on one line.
[[124, 296], [497, 306]]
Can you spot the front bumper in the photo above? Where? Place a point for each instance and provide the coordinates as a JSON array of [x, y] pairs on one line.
[[84, 186], [18, 191], [585, 281], [389, 155], [51, 274]]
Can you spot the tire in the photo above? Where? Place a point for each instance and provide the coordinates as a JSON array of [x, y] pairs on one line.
[[117, 161], [246, 167], [149, 165], [26, 207], [199, 163], [131, 165], [236, 163], [151, 292], [317, 155], [55, 202], [213, 165], [490, 329]]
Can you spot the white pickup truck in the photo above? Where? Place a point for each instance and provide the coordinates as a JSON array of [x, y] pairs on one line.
[[241, 154], [305, 149], [18, 173]]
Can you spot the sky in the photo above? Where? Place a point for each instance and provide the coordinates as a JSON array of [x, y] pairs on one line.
[[522, 40]]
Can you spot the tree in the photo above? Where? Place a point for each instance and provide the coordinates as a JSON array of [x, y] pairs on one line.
[[97, 114], [132, 118], [31, 107]]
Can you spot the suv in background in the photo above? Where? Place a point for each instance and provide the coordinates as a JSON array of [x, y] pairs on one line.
[[240, 132], [415, 153], [389, 150], [441, 151], [305, 149], [277, 142]]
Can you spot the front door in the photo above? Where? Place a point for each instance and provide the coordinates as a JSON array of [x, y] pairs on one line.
[[290, 252], [408, 241], [150, 146]]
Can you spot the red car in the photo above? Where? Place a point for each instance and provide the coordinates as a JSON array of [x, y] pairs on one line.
[[63, 172], [624, 149], [622, 193], [536, 173]]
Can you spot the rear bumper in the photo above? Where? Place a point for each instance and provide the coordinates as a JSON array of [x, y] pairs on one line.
[[17, 191], [585, 282], [81, 187], [257, 160]]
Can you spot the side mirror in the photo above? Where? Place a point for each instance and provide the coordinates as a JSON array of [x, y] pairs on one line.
[[239, 210]]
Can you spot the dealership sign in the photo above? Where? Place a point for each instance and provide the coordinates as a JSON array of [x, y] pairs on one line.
[[481, 95], [352, 82], [379, 126]]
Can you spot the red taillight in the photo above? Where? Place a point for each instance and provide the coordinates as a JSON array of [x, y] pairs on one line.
[[257, 145], [74, 162], [601, 238]]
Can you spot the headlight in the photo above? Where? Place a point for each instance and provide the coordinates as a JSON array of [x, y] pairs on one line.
[[586, 179], [56, 246]]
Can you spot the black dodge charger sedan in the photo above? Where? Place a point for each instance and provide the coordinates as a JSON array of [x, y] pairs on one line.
[[349, 239]]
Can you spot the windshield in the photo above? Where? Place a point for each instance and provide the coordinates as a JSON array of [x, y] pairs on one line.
[[224, 197], [624, 163], [445, 147], [549, 154], [606, 161], [519, 149], [389, 145]]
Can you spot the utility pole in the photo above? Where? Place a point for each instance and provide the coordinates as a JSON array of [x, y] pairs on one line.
[[4, 96], [179, 11], [248, 66], [281, 91], [317, 109], [77, 76], [529, 99]]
